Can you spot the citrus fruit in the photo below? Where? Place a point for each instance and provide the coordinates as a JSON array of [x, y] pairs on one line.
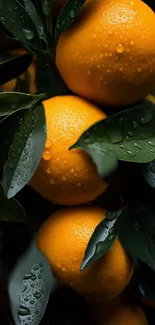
[[30, 74], [108, 54], [119, 312], [68, 177], [63, 239]]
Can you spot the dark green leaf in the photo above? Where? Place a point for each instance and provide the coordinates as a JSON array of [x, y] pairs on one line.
[[25, 152], [146, 284], [103, 237], [67, 16], [15, 18], [148, 171], [32, 12], [8, 127], [14, 67], [138, 234], [48, 79], [127, 136], [12, 102], [12, 211], [2, 198], [47, 10], [29, 287]]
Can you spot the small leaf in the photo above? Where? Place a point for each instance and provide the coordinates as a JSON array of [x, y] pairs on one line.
[[12, 211], [103, 237], [25, 152], [30, 285], [67, 16], [14, 67], [15, 18], [138, 234], [126, 136], [11, 102]]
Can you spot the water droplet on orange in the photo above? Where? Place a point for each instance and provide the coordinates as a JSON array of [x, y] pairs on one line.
[[106, 54], [101, 78], [99, 45], [65, 161], [79, 185], [106, 45], [58, 159], [120, 48], [132, 42], [110, 31], [110, 53], [64, 178], [48, 171], [121, 68], [139, 69], [48, 144], [127, 49], [101, 55], [98, 66], [72, 170], [88, 72], [94, 36], [46, 155], [108, 70]]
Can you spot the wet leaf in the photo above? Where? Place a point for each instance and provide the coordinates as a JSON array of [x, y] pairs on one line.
[[18, 22], [32, 12], [11, 102], [137, 234], [67, 16], [25, 152], [148, 171], [126, 136], [14, 66], [30, 285], [103, 237]]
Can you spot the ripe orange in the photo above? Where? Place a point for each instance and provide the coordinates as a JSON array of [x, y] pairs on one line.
[[68, 177], [30, 73], [119, 312], [108, 54], [63, 239]]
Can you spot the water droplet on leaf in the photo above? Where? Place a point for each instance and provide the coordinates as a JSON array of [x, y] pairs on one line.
[[115, 135], [147, 117], [24, 311], [28, 34], [135, 125]]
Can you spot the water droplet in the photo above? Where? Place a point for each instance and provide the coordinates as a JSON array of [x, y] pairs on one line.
[[110, 215], [121, 69], [64, 178], [51, 181], [40, 276], [37, 312], [99, 45], [24, 311], [28, 34], [98, 66], [72, 14], [130, 134], [79, 185], [111, 237], [147, 117], [120, 48], [94, 36], [48, 144], [48, 171], [137, 145], [110, 31], [26, 299], [37, 295], [136, 226], [127, 49], [72, 170], [10, 166], [121, 146], [111, 230], [139, 69], [135, 125], [42, 291], [46, 155], [106, 54], [110, 53], [132, 42], [151, 143], [27, 276], [88, 72], [33, 278], [115, 135], [101, 55], [32, 302], [130, 153]]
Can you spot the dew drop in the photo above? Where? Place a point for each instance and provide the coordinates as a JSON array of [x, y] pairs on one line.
[[27, 276], [48, 144], [28, 34], [72, 170], [121, 69], [94, 36], [151, 143], [2, 19], [48, 171], [24, 311], [33, 278], [120, 48], [72, 14], [110, 31], [147, 117], [110, 53], [130, 134], [122, 146], [46, 155], [132, 42], [98, 66], [37, 295], [130, 153], [135, 125], [139, 69], [137, 145], [101, 55], [88, 72], [51, 181], [40, 276], [106, 54], [115, 135]]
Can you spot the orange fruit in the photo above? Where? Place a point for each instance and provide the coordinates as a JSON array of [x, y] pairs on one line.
[[119, 312], [108, 54], [30, 73], [63, 239], [68, 177]]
